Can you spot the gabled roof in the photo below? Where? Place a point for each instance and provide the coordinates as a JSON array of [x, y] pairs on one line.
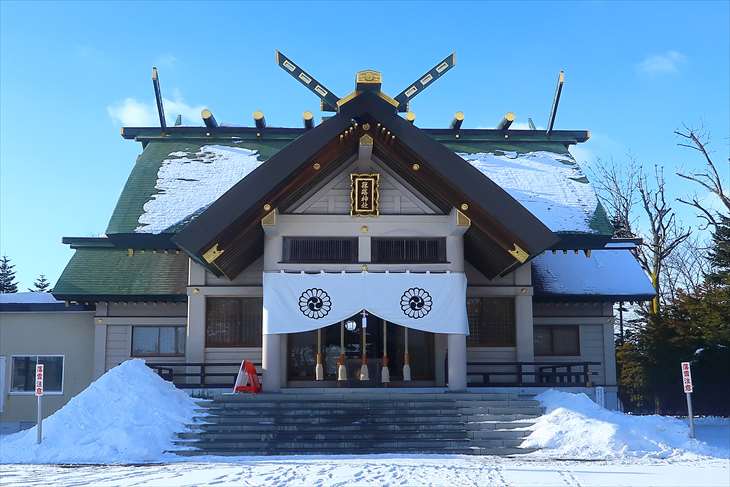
[[499, 224]]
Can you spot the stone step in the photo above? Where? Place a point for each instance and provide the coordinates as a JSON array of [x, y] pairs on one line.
[[480, 414], [339, 412], [285, 436], [370, 404], [385, 427], [351, 445], [499, 425], [331, 420], [366, 402], [504, 413], [357, 396], [494, 451], [498, 434]]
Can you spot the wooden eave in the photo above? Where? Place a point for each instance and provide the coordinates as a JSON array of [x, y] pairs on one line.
[[144, 134], [232, 223]]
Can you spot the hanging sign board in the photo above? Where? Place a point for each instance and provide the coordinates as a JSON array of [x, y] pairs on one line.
[[687, 377], [39, 380], [364, 194]]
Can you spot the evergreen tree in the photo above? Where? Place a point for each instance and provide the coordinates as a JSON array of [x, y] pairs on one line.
[[719, 255], [41, 285], [7, 276]]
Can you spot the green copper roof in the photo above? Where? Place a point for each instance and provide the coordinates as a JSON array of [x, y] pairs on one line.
[[140, 186], [93, 273], [170, 173]]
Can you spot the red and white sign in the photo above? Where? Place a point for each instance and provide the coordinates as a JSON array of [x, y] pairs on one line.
[[686, 377], [39, 380]]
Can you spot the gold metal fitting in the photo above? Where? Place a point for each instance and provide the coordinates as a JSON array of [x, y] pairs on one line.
[[267, 207], [366, 126], [364, 229], [316, 166], [464, 206], [416, 166]]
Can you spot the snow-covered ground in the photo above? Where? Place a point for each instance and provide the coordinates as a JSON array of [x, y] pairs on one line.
[[129, 416], [375, 471]]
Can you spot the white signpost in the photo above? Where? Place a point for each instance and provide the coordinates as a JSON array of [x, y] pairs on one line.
[[687, 382], [39, 395]]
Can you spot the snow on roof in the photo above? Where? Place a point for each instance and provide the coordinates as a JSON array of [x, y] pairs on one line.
[[187, 182], [28, 298], [604, 273], [551, 186]]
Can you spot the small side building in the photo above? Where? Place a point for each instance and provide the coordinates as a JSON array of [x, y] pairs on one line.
[[35, 327]]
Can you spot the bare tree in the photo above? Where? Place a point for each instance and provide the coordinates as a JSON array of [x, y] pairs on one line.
[[685, 268], [709, 177], [664, 233], [617, 190]]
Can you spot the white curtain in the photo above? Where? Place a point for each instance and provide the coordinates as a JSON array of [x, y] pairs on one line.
[[296, 302]]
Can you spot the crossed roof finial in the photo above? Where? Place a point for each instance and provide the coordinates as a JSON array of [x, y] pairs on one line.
[[367, 80]]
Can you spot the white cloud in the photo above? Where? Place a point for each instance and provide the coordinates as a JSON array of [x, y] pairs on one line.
[[665, 63], [133, 113]]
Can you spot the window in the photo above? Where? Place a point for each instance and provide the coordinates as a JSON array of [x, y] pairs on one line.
[[557, 340], [320, 249], [491, 322], [233, 322], [23, 373], [408, 250], [158, 341]]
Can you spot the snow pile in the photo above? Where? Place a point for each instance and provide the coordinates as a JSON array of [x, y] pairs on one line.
[[189, 182], [128, 415], [575, 427], [551, 186]]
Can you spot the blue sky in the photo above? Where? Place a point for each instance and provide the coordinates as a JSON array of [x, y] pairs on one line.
[[72, 73]]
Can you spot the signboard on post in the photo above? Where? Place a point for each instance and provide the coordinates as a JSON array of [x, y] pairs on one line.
[[39, 380], [39, 395], [688, 389], [687, 377]]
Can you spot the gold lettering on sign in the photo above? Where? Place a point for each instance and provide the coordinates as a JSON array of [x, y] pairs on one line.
[[364, 194]]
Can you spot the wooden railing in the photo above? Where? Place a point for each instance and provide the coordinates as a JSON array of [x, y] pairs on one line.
[[197, 375], [208, 374], [510, 374]]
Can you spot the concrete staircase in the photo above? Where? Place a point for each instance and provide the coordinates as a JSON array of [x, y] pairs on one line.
[[347, 423]]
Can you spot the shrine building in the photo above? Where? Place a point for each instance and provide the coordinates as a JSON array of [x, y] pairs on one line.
[[364, 251]]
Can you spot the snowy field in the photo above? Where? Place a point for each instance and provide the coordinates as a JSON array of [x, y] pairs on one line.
[[378, 470], [109, 436]]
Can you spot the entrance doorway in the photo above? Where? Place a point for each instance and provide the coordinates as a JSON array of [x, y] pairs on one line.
[[302, 354]]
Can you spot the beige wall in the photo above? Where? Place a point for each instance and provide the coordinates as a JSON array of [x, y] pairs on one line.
[[67, 333], [113, 324], [595, 328]]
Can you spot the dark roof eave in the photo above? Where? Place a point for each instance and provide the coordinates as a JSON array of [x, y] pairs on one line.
[[614, 298], [580, 241], [157, 241], [100, 298], [143, 134]]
